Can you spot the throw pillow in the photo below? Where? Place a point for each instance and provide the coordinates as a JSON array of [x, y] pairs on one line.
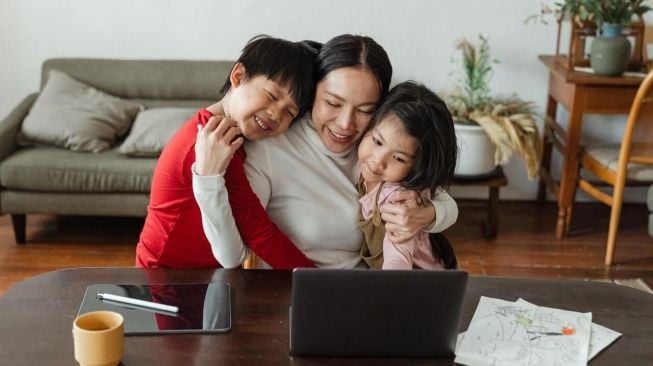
[[76, 116], [153, 129]]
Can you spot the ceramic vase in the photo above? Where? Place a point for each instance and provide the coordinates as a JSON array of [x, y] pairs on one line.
[[610, 52], [475, 151]]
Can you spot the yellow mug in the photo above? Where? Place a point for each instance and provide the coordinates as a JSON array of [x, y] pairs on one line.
[[99, 338]]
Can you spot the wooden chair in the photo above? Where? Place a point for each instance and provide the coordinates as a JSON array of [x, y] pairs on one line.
[[630, 162]]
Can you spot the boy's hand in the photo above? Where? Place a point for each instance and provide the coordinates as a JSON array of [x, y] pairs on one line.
[[405, 216], [215, 145]]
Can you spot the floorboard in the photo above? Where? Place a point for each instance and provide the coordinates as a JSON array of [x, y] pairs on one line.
[[525, 245]]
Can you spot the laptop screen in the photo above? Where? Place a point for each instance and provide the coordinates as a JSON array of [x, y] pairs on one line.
[[362, 312]]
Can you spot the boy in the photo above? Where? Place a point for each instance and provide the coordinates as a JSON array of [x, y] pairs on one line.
[[270, 84]]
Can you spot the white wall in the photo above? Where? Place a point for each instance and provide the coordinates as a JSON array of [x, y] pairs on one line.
[[419, 36]]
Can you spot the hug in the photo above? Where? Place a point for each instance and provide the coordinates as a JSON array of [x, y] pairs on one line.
[[309, 160]]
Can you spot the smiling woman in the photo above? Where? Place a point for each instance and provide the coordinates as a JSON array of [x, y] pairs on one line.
[[341, 114], [306, 177]]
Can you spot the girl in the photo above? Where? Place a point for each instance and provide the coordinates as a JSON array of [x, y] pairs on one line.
[[411, 145]]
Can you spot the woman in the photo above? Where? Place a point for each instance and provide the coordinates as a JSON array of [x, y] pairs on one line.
[[306, 178]]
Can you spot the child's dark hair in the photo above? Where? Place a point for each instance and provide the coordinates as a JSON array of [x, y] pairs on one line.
[[426, 118], [443, 250], [288, 63], [348, 50]]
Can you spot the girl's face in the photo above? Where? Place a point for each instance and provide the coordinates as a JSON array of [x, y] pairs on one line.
[[344, 103], [387, 152], [261, 107]]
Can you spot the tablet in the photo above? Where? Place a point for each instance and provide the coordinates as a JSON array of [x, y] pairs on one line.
[[202, 307]]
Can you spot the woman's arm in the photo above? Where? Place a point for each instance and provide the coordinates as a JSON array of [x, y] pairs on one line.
[[215, 146], [217, 220], [405, 217], [256, 229], [230, 228]]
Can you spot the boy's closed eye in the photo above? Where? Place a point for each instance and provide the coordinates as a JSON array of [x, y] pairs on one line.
[[271, 95]]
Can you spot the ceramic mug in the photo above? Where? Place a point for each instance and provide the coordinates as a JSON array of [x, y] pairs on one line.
[[99, 338]]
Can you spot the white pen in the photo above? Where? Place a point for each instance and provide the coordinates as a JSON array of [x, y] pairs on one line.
[[143, 303]]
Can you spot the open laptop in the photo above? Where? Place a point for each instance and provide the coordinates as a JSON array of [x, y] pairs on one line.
[[363, 312]]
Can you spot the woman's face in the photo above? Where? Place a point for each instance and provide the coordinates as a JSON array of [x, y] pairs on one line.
[[344, 103]]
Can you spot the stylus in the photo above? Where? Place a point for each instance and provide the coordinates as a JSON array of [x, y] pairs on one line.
[[143, 303]]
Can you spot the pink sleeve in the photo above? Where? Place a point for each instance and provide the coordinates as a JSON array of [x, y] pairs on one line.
[[395, 256], [398, 256]]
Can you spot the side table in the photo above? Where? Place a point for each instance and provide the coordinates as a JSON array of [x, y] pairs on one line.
[[579, 93], [493, 180]]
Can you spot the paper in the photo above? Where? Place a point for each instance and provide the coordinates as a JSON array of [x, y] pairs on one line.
[[600, 337], [510, 333]]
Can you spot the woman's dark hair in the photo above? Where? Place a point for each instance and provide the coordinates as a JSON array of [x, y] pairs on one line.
[[426, 118], [349, 50], [288, 63]]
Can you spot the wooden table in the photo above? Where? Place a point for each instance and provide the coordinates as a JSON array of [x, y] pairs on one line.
[[36, 318], [580, 93]]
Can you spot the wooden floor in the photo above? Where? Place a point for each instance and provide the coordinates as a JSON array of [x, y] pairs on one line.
[[525, 246]]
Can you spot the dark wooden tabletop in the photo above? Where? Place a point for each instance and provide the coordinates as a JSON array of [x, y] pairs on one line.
[[36, 318]]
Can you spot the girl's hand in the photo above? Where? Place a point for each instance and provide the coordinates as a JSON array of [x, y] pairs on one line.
[[405, 216], [215, 145]]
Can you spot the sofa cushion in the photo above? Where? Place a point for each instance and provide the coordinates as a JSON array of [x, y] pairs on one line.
[[59, 170], [152, 130], [71, 114], [147, 79]]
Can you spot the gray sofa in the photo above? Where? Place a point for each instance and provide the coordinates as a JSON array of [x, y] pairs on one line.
[[49, 180]]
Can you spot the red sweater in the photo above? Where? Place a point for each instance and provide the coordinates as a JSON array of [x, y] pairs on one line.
[[172, 235]]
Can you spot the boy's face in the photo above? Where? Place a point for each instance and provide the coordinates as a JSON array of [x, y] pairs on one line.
[[387, 152], [261, 107]]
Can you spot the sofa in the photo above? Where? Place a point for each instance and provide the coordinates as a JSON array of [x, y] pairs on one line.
[[43, 179]]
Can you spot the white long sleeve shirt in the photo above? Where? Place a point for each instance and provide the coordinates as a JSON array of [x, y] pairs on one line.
[[308, 192]]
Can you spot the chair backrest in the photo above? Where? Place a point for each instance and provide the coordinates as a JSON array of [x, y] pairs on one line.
[[637, 142]]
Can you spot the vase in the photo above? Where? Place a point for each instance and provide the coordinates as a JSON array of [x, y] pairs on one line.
[[610, 52], [475, 151]]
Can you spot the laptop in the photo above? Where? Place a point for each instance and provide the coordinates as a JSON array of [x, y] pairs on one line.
[[364, 312]]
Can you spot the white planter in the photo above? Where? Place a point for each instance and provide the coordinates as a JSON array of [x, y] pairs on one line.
[[475, 151]]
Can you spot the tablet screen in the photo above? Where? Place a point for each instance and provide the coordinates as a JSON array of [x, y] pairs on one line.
[[202, 307]]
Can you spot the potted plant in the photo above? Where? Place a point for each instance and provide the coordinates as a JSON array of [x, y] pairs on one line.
[[601, 12], [610, 50], [490, 128]]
